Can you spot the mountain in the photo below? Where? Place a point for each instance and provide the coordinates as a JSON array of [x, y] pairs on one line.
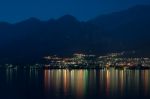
[[28, 41], [130, 28], [115, 19]]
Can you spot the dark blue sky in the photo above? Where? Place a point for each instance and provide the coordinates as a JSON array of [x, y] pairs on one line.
[[17, 10]]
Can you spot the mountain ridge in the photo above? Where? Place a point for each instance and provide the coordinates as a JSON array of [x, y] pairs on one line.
[[30, 40]]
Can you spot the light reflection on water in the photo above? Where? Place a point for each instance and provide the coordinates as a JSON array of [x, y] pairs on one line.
[[77, 84], [82, 83]]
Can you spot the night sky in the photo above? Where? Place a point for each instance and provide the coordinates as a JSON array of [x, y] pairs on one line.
[[17, 10]]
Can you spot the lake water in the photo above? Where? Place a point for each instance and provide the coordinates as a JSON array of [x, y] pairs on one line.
[[74, 84]]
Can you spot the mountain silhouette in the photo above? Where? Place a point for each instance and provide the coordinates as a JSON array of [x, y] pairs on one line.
[[28, 41], [129, 28]]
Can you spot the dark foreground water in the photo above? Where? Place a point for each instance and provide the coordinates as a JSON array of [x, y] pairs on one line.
[[74, 84]]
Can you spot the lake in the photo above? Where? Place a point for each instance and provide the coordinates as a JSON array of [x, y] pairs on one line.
[[74, 84]]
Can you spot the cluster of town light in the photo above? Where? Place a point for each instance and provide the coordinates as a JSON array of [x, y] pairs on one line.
[[93, 61]]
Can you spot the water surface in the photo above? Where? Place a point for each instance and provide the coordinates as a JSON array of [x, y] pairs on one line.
[[74, 84]]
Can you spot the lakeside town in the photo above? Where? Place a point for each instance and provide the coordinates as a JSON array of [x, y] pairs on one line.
[[88, 61]]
